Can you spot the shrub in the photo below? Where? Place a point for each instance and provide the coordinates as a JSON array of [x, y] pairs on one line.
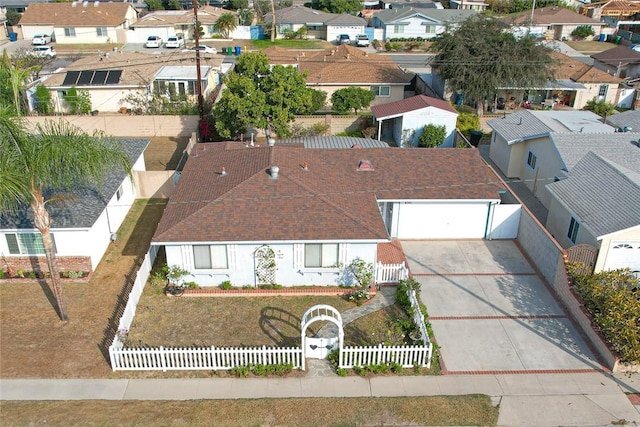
[[583, 31], [72, 274], [241, 371], [341, 372], [467, 122], [432, 136], [226, 285], [334, 357]]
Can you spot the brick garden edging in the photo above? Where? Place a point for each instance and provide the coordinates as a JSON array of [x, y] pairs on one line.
[[293, 291]]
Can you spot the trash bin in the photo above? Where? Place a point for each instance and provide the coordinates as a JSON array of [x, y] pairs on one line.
[[602, 38], [476, 136], [227, 50], [238, 50], [13, 37], [618, 38]]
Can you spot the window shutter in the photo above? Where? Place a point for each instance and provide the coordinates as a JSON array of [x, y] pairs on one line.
[[187, 257], [343, 249], [298, 256], [232, 254]]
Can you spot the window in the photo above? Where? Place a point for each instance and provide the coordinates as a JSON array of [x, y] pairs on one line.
[[531, 160], [210, 256], [102, 31], [429, 29], [398, 29], [574, 226], [381, 90], [602, 92], [181, 89], [70, 32], [119, 193], [26, 243], [211, 28], [318, 255]]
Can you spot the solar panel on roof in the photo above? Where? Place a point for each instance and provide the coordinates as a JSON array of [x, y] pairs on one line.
[[99, 77], [71, 78], [113, 78], [85, 78]]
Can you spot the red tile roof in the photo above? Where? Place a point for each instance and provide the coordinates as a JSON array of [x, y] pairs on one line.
[[410, 104], [331, 200]]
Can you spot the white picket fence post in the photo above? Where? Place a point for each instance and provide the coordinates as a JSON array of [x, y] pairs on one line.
[[391, 273]]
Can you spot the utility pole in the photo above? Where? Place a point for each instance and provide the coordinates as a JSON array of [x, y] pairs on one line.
[[196, 36], [533, 7], [273, 21]]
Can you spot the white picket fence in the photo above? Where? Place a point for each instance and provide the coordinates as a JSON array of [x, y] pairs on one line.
[[391, 273], [207, 358], [407, 356]]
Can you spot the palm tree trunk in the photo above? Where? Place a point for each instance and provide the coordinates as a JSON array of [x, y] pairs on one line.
[[42, 222], [273, 21]]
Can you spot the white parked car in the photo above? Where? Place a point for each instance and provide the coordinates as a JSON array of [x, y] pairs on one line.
[[40, 39], [174, 42], [362, 40], [43, 52], [153, 41], [203, 49]]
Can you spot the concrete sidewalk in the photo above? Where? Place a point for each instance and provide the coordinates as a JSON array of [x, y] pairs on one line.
[[592, 399]]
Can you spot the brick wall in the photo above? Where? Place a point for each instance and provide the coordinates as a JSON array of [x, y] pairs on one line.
[[39, 264], [549, 258]]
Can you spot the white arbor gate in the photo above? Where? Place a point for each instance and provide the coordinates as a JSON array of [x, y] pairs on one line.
[[265, 265], [320, 347]]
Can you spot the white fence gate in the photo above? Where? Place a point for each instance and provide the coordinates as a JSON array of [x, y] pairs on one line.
[[391, 273]]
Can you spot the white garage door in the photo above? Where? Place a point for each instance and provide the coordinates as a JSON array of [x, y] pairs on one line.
[[442, 220], [623, 254]]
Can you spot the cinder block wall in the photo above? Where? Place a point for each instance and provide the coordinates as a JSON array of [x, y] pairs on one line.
[[124, 125]]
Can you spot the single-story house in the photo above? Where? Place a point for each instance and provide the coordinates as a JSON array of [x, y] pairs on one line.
[[166, 23], [82, 226], [112, 78], [478, 5], [346, 66], [551, 22], [599, 204], [320, 25], [404, 120], [613, 10], [413, 22], [79, 22], [575, 84], [292, 215], [540, 147], [625, 121], [621, 61]]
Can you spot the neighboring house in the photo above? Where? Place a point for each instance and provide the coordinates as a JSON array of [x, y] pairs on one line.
[[412, 22], [403, 121], [576, 83], [83, 223], [478, 5], [540, 147], [621, 61], [111, 78], [346, 66], [611, 11], [625, 121], [599, 204], [79, 22], [292, 215], [166, 23], [552, 23], [320, 25]]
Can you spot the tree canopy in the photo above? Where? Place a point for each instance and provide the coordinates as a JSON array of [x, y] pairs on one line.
[[257, 96], [432, 136], [225, 24], [351, 98], [480, 55], [35, 169], [336, 6], [600, 107]]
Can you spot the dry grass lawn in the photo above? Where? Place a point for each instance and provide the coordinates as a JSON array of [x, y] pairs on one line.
[[407, 411], [590, 46], [33, 341], [164, 153]]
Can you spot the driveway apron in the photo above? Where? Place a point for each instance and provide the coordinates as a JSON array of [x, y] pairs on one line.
[[491, 312]]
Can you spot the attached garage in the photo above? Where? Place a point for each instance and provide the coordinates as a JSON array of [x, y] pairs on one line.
[[442, 220], [623, 254]]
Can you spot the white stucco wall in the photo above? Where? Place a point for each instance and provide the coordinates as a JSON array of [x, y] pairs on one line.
[[417, 119], [416, 27], [28, 31], [548, 165], [140, 34], [604, 262], [333, 31], [242, 264], [507, 157], [558, 221], [592, 91], [105, 99]]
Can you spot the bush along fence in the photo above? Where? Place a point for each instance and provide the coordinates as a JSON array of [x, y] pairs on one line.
[[163, 358]]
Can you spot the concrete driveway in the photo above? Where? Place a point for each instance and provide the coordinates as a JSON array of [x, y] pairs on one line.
[[491, 312]]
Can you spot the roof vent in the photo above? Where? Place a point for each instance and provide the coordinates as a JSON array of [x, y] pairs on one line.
[[274, 171], [356, 145], [365, 165], [627, 129], [271, 142], [223, 172], [305, 166]]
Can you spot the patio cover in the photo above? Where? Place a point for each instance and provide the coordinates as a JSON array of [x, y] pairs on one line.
[[549, 85]]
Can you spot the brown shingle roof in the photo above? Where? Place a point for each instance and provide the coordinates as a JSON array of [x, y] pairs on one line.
[[331, 200], [619, 55], [104, 14], [570, 68], [170, 18], [138, 68], [342, 64], [410, 104], [552, 15]]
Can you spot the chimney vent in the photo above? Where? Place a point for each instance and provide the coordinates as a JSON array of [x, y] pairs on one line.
[[223, 172], [274, 171], [305, 166], [271, 142]]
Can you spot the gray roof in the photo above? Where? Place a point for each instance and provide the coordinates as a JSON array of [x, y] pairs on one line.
[[308, 16], [526, 124], [629, 118], [438, 15], [334, 142], [615, 147], [603, 196], [83, 209]]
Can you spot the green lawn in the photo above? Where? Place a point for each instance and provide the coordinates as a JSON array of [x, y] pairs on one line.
[[291, 44]]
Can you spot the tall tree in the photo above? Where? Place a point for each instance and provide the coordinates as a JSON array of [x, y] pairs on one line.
[[336, 6], [225, 24], [262, 97], [481, 55], [36, 169]]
